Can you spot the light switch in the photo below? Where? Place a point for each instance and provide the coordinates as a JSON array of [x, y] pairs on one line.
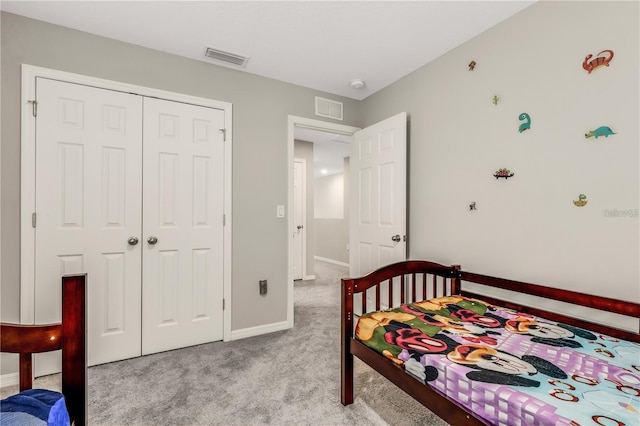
[[280, 211]]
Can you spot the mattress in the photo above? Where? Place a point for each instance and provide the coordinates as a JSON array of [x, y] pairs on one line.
[[510, 368]]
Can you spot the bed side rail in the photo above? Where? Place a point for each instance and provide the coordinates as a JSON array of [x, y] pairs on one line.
[[605, 304]]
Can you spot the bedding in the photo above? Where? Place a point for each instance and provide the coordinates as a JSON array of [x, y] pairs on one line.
[[508, 367], [34, 407]]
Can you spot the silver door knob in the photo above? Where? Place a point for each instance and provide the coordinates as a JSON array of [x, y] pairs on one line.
[[152, 240], [396, 238], [300, 227], [132, 241]]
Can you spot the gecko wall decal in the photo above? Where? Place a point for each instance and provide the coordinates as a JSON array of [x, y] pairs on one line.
[[597, 62]]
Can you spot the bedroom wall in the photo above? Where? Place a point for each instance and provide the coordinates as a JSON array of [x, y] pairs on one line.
[[527, 227], [332, 235], [260, 112], [329, 196]]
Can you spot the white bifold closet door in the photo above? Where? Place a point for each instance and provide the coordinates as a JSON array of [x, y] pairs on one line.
[[113, 170], [183, 210]]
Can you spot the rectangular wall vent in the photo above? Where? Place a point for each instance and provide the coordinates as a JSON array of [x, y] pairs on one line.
[[328, 108], [230, 58]]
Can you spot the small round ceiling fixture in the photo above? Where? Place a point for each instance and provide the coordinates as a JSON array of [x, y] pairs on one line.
[[357, 83]]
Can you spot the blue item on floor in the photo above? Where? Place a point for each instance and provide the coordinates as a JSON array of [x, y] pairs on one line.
[[34, 407]]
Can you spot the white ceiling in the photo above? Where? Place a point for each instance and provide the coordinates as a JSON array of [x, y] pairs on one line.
[[322, 45], [317, 44]]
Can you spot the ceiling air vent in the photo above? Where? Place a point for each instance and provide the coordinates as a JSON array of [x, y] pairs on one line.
[[229, 58], [328, 108]]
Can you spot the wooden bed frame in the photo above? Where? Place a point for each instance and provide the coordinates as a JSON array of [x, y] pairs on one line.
[[69, 335], [403, 281]]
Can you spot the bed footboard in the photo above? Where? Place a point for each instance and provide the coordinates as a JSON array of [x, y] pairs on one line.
[[391, 285]]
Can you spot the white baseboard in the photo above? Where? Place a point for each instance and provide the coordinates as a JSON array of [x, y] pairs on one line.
[[9, 379], [335, 262], [259, 330], [308, 277]]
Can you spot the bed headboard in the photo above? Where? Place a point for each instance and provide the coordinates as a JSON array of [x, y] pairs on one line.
[[404, 282]]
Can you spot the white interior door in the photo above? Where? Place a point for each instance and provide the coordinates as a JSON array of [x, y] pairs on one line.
[[88, 205], [299, 203], [183, 225], [377, 229]]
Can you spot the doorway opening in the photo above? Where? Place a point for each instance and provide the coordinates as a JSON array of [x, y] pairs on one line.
[[331, 135], [324, 212]]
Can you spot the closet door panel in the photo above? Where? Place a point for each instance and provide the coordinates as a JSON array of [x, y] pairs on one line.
[[88, 205], [182, 225]]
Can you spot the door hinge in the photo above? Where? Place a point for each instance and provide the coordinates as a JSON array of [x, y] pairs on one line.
[[224, 134], [224, 219], [34, 107], [223, 304], [33, 219]]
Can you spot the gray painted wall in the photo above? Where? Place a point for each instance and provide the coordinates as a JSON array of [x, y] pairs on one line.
[[304, 150], [527, 227], [332, 235], [260, 110]]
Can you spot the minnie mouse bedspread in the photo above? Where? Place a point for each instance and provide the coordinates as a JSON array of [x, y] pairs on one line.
[[507, 367]]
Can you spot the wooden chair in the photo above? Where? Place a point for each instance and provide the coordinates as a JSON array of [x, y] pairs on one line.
[[69, 335]]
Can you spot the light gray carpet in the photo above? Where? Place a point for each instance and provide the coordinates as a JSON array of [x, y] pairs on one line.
[[285, 378]]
